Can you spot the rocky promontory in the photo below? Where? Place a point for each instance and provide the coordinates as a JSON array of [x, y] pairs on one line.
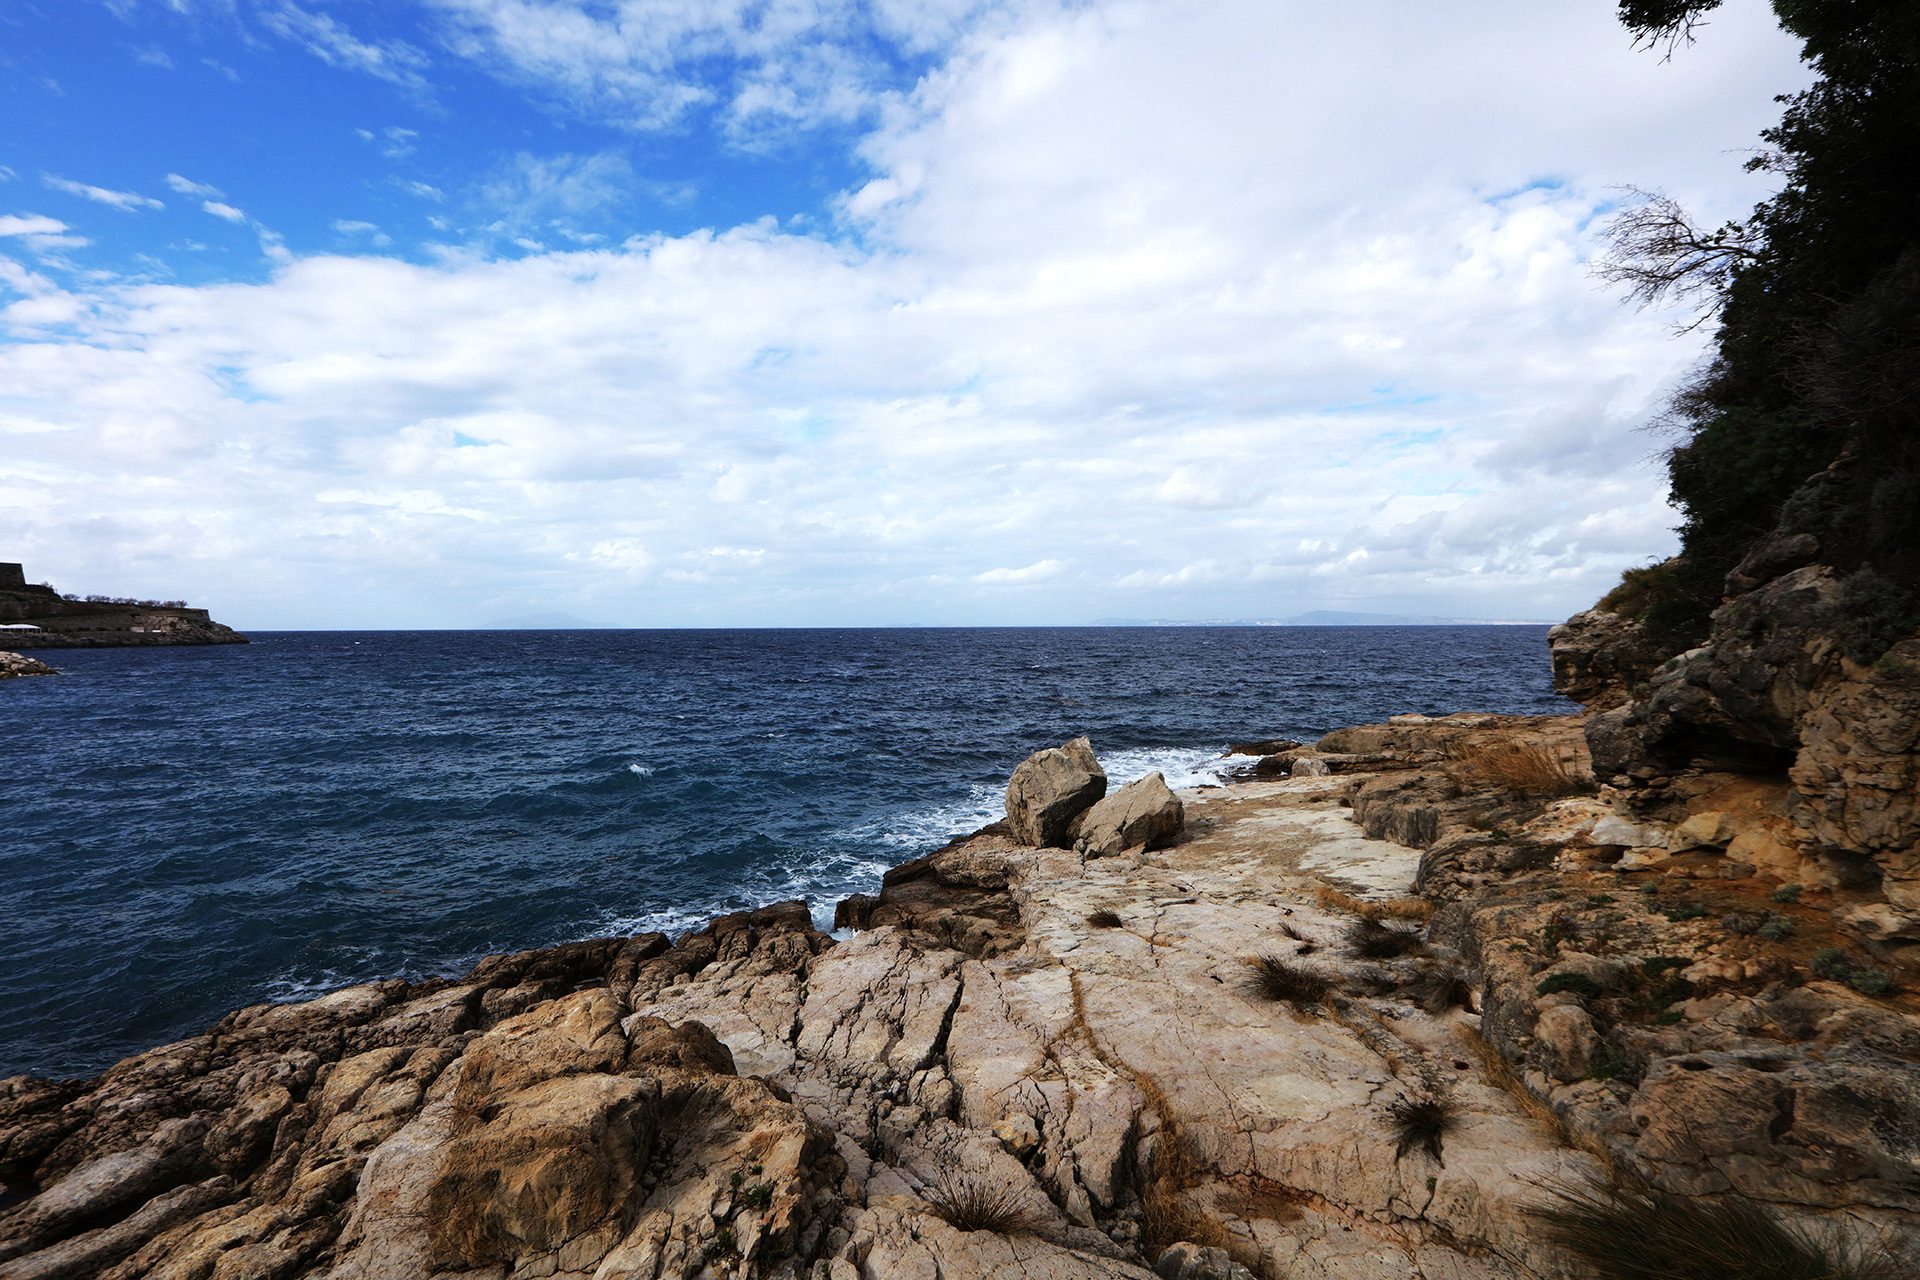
[[35, 616], [1378, 1013], [17, 664]]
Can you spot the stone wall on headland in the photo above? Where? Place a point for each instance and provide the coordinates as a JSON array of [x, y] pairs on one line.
[[61, 623]]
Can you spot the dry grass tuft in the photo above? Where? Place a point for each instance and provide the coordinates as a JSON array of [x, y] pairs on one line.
[[1373, 940], [1627, 1230], [1105, 919], [1333, 899], [1525, 768], [1421, 1123], [1438, 990], [968, 1202], [1276, 978]]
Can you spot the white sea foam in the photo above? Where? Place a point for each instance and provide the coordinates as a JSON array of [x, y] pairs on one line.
[[1182, 766], [639, 770]]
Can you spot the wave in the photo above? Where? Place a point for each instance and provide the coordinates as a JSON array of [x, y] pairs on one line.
[[639, 770]]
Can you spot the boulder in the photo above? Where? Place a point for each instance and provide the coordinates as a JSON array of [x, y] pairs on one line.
[[1144, 814], [1050, 789], [15, 664]]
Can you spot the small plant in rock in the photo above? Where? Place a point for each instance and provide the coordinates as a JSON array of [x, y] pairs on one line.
[[758, 1197], [1278, 979], [969, 1202], [1631, 1231], [1599, 899], [1105, 919], [1438, 990], [1683, 911], [1744, 924], [1421, 1123], [1776, 929], [1608, 1063], [1578, 983], [1372, 940], [1788, 893], [1830, 962], [1870, 982]]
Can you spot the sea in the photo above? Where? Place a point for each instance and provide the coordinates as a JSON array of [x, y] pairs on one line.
[[184, 831]]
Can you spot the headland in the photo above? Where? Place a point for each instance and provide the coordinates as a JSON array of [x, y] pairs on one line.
[[35, 616]]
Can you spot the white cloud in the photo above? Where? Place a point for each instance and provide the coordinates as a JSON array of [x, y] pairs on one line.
[[225, 212], [531, 191], [1038, 571], [30, 225], [395, 143], [359, 227], [124, 201], [763, 64], [329, 39], [1181, 310], [188, 187]]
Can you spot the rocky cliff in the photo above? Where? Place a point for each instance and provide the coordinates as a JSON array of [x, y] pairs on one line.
[[1805, 695], [1366, 1017], [38, 617]]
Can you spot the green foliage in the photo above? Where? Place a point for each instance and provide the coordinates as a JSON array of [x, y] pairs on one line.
[[1608, 1063], [1833, 964], [1654, 966], [1829, 962], [1683, 911], [1632, 1231], [1875, 614], [1777, 929], [758, 1197], [1788, 892]]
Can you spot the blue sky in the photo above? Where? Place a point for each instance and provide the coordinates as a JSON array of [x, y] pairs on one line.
[[447, 312]]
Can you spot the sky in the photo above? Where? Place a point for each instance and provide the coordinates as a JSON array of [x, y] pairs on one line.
[[451, 313]]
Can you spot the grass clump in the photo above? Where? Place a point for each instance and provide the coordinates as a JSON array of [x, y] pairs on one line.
[[1631, 1231], [967, 1202], [1373, 940], [1421, 1124], [1276, 978], [1105, 918], [1788, 893], [1683, 911], [1526, 768], [1832, 963], [1438, 990], [1777, 929]]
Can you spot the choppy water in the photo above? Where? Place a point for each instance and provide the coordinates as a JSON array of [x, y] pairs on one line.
[[184, 831]]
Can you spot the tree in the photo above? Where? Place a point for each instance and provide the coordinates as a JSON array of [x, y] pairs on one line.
[[1817, 297]]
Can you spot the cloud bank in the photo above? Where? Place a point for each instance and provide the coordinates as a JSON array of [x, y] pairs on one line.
[[1144, 310]]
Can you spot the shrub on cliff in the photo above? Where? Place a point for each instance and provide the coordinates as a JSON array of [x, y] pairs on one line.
[[1816, 295]]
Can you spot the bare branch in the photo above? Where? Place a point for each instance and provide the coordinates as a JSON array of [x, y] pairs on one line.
[[1656, 252]]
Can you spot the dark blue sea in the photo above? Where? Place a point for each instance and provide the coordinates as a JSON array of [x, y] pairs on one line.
[[191, 830]]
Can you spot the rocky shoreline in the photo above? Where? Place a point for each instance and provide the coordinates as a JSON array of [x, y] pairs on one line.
[[1354, 1016]]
